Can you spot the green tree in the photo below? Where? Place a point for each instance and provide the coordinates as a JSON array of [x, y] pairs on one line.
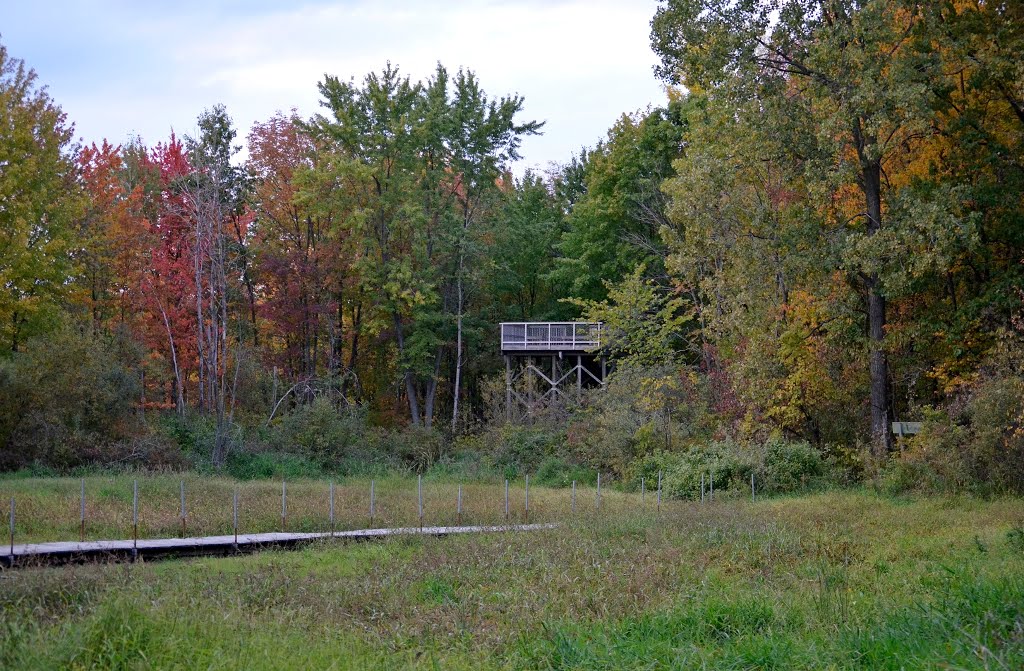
[[613, 221], [422, 161], [39, 199], [858, 72], [644, 325], [528, 224]]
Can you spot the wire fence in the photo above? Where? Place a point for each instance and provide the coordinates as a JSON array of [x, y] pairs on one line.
[[166, 508]]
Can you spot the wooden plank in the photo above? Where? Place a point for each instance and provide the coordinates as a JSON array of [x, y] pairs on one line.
[[65, 551]]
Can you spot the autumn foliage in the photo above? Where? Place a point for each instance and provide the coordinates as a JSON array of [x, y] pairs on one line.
[[819, 235]]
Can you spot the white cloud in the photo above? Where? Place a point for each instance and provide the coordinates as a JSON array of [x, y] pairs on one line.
[[579, 65]]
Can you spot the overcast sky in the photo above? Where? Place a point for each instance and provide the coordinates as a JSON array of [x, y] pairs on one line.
[[134, 67]]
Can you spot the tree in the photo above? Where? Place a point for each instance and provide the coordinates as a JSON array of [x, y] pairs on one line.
[[644, 325], [310, 297], [613, 224], [418, 160], [108, 238], [213, 195], [528, 224], [482, 137], [166, 286], [870, 89], [39, 199], [772, 322]]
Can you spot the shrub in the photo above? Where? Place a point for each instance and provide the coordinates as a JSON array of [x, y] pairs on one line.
[[66, 396], [321, 433], [996, 448], [641, 411], [521, 449], [975, 445], [934, 460], [465, 465], [723, 462], [787, 466], [556, 472], [192, 432], [414, 447], [246, 465], [1015, 538], [777, 465]]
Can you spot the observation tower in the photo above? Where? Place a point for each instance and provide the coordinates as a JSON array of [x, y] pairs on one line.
[[545, 361]]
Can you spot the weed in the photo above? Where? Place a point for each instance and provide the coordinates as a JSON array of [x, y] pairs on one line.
[[844, 580], [1015, 538]]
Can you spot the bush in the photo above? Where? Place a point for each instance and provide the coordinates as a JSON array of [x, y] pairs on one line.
[[321, 433], [724, 463], [67, 396], [556, 472], [778, 467], [642, 410], [246, 465], [192, 432], [932, 461], [976, 445], [521, 449], [996, 448], [465, 464], [787, 467], [413, 447]]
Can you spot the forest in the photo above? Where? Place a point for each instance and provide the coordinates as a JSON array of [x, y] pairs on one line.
[[820, 232]]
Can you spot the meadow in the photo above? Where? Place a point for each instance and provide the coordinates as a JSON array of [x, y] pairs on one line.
[[843, 580], [49, 509]]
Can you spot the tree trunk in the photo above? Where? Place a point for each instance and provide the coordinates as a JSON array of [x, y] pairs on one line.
[[880, 434], [881, 437], [431, 391], [353, 355], [458, 353], [247, 280], [179, 400], [410, 385]]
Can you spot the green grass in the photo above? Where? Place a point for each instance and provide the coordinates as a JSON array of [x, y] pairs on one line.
[[844, 580], [49, 509]]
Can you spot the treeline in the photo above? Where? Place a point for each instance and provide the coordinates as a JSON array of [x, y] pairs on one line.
[[820, 233]]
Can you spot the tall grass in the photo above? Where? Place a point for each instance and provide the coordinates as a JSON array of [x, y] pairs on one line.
[[844, 580], [49, 509]]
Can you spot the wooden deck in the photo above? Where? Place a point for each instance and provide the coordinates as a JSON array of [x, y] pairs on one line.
[[550, 337], [35, 554]]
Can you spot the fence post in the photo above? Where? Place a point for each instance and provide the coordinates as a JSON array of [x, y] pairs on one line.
[[371, 502], [526, 513], [135, 519], [643, 492], [458, 508], [419, 494], [284, 506], [12, 531], [506, 500], [752, 496], [332, 508], [182, 508], [234, 514], [572, 504], [81, 532], [659, 491]]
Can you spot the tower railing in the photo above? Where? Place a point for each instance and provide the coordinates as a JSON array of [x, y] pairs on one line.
[[550, 336]]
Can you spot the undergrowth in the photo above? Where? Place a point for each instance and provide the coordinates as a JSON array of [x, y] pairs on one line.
[[842, 580]]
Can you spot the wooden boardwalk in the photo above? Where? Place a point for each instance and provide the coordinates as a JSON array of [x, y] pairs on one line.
[[35, 554]]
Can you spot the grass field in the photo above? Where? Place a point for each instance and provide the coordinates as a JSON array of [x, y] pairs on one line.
[[838, 580], [49, 509]]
